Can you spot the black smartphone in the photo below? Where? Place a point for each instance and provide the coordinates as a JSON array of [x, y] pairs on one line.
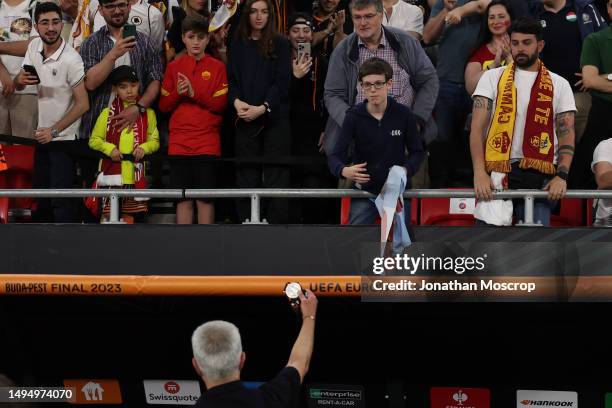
[[129, 30], [32, 71]]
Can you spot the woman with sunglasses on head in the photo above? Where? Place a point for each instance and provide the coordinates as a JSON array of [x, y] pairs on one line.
[[259, 76]]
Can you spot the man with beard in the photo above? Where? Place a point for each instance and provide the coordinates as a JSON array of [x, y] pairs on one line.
[[102, 52], [523, 124], [62, 100]]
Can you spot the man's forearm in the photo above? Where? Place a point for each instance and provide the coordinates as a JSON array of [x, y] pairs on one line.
[[301, 352], [150, 94], [604, 181], [480, 119], [599, 83], [564, 127], [97, 74], [15, 48], [434, 27], [80, 106]]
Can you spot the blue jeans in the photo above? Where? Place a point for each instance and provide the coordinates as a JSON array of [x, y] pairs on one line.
[[364, 212], [530, 179]]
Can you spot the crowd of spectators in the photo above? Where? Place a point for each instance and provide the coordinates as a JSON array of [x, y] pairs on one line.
[[265, 95]]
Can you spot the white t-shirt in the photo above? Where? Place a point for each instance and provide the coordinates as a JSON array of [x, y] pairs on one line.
[[147, 19], [407, 17], [563, 100], [16, 25], [603, 153], [58, 74]]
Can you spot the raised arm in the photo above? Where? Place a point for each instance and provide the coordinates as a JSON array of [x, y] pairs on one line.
[[301, 352]]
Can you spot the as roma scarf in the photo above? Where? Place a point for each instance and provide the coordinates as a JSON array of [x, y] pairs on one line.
[[538, 136], [113, 135]]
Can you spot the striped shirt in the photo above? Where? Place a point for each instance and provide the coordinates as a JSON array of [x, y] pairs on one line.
[[144, 57], [401, 88]]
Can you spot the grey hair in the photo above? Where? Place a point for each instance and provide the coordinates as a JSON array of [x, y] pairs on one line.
[[361, 4], [217, 348]]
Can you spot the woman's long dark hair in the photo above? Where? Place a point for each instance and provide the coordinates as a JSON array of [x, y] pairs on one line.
[[266, 41], [485, 33]]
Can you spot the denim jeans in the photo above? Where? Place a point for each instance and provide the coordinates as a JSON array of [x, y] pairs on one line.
[[364, 212]]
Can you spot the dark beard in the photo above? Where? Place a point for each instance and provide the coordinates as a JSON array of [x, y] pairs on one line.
[[528, 63], [58, 38]]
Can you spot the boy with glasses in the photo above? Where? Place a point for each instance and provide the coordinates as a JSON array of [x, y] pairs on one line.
[[382, 130]]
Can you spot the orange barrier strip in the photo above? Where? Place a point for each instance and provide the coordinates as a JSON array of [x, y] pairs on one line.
[[584, 287]]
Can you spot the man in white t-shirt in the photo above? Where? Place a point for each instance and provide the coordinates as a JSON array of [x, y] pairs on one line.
[[62, 100], [602, 167], [511, 134], [18, 109], [404, 16]]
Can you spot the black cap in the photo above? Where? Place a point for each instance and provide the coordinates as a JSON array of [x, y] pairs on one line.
[[122, 73], [300, 18]]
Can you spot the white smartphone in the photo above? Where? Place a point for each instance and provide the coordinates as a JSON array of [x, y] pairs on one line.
[[303, 49]]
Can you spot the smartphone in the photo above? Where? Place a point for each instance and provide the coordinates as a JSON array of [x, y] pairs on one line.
[[32, 71], [303, 49], [129, 30]]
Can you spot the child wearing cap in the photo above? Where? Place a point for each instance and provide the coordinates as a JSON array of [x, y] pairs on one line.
[[195, 91], [138, 140]]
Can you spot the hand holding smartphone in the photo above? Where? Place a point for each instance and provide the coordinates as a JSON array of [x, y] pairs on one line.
[[303, 50], [32, 71]]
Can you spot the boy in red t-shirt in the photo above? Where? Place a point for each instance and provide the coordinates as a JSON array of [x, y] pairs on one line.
[[195, 91]]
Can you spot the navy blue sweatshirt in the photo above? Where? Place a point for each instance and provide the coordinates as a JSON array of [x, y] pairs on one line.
[[382, 144]]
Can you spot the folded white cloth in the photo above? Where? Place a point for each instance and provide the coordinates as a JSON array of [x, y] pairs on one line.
[[495, 212]]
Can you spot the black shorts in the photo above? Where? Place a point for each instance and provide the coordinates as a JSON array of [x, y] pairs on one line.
[[193, 172]]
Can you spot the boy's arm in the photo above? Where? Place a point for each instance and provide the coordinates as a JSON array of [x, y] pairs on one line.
[[337, 157], [152, 143], [170, 97], [97, 140], [217, 101], [414, 144]]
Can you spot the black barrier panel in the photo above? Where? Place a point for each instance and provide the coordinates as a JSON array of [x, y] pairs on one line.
[[271, 249]]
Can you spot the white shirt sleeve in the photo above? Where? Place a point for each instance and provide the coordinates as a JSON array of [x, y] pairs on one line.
[[487, 85], [602, 153], [158, 29], [416, 21], [27, 59], [565, 101], [76, 71]]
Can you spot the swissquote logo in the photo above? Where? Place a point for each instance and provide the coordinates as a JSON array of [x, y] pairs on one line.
[[454, 397], [536, 398], [171, 392], [94, 391]]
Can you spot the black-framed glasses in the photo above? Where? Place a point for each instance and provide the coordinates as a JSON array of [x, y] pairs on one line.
[[111, 7], [375, 85]]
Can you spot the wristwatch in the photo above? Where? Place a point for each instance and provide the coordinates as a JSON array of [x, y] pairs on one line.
[[267, 105], [54, 133], [141, 108], [562, 174]]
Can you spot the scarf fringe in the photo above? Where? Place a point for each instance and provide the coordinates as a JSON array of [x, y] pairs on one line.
[[539, 165], [502, 166]]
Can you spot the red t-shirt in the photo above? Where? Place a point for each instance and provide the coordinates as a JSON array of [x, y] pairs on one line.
[[195, 124], [483, 56]]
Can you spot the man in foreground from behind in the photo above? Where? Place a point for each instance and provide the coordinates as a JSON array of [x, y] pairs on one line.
[[218, 359]]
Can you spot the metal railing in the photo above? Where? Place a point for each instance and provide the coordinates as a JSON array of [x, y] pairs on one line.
[[256, 195]]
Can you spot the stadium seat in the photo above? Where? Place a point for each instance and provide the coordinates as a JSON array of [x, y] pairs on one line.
[[20, 160], [570, 214], [4, 208], [438, 211], [590, 212], [345, 211]]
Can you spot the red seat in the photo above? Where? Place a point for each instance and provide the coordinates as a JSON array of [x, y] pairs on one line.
[[20, 160], [590, 212], [4, 208], [437, 211], [571, 214], [345, 211]]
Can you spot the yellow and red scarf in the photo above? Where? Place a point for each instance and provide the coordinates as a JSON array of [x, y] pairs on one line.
[[538, 136], [113, 135]]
